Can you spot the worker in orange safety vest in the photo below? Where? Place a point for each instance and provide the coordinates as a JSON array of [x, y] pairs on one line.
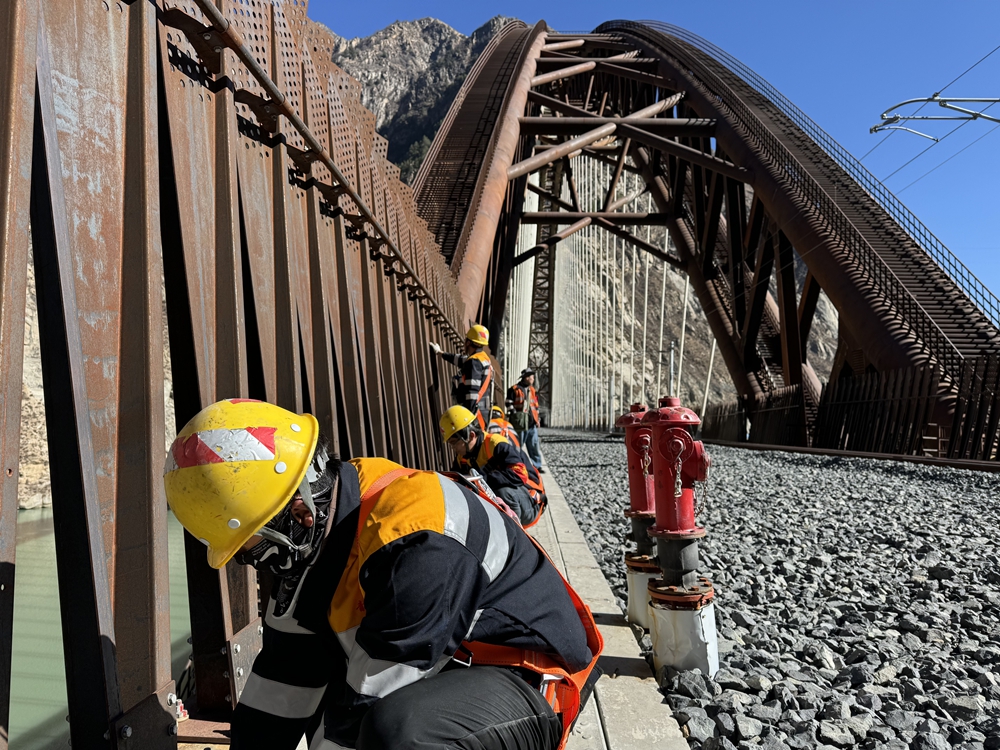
[[390, 621], [523, 400], [536, 488]]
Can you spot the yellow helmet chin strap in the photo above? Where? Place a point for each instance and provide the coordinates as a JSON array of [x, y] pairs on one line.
[[316, 468]]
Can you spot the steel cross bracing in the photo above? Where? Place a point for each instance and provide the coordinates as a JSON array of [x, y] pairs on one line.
[[749, 191], [212, 156]]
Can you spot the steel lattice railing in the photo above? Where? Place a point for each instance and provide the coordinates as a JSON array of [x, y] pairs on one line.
[[967, 281], [906, 307]]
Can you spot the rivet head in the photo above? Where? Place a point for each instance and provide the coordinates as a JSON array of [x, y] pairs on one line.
[[239, 671], [126, 732], [280, 467], [234, 523], [205, 542], [296, 428], [236, 648], [171, 699]]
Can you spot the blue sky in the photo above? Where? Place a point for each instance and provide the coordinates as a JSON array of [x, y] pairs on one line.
[[843, 62]]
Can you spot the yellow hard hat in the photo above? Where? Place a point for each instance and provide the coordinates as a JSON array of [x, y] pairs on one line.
[[455, 419], [478, 335], [233, 467], [497, 412]]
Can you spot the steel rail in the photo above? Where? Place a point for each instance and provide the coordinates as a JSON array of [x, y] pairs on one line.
[[234, 41]]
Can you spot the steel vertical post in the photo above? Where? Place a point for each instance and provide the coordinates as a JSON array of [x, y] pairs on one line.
[[18, 35], [84, 586], [142, 612]]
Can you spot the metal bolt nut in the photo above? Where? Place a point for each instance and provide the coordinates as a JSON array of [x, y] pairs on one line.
[[207, 35], [171, 699], [223, 651], [239, 671], [236, 648], [125, 732]]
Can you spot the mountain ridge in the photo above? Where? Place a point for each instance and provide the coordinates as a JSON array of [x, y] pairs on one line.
[[410, 72]]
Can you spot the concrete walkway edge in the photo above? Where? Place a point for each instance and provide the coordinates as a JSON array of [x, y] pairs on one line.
[[629, 712]]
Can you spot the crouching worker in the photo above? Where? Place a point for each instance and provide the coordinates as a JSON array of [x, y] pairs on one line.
[[408, 612], [536, 488], [492, 456]]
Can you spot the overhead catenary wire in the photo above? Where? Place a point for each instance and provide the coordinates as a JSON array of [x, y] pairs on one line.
[[964, 148]]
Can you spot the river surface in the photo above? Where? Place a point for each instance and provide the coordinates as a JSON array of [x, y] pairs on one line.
[[38, 688]]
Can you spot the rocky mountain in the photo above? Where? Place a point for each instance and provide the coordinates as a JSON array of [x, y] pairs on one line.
[[410, 72]]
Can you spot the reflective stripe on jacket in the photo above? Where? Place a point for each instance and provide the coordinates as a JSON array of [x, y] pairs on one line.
[[432, 565], [474, 391]]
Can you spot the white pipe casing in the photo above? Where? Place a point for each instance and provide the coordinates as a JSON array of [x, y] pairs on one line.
[[638, 597], [684, 638]]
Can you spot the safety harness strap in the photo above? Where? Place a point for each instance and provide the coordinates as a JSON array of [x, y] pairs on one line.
[[562, 689]]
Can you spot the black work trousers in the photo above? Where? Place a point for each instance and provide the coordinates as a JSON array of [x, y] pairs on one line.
[[519, 501], [474, 708]]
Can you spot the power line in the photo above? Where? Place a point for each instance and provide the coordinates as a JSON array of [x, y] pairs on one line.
[[970, 68], [988, 132], [950, 132], [937, 93]]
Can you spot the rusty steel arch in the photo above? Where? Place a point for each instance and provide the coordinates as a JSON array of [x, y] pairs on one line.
[[746, 184]]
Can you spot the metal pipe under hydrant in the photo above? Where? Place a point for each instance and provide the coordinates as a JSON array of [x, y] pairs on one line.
[[682, 613], [640, 566]]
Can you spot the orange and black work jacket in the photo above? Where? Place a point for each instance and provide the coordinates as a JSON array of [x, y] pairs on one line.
[[525, 398], [475, 387], [500, 463], [498, 426], [414, 566]]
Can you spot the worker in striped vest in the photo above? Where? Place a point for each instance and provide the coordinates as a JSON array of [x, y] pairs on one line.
[[475, 384], [409, 610]]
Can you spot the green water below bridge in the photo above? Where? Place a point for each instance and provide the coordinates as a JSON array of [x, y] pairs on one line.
[[38, 707]]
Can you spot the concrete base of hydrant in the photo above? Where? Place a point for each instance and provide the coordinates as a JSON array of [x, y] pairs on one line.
[[684, 638], [638, 597]]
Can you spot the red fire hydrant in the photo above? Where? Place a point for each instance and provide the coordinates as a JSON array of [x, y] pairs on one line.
[[640, 564], [682, 615], [638, 444]]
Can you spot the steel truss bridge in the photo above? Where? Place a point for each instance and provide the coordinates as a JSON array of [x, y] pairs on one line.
[[201, 180]]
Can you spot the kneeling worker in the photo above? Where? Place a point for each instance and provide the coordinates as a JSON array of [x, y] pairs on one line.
[[395, 589], [536, 487], [493, 456]]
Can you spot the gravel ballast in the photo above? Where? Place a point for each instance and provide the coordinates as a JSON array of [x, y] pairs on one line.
[[857, 600]]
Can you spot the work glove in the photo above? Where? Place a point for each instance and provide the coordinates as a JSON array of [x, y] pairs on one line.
[[435, 348]]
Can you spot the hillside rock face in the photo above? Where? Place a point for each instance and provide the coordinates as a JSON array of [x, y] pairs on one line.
[[410, 73]]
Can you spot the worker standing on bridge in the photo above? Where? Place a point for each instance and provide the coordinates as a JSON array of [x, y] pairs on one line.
[[492, 456], [475, 384], [523, 399], [395, 589]]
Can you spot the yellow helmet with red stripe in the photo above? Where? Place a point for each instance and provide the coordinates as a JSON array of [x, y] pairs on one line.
[[233, 467], [478, 335]]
